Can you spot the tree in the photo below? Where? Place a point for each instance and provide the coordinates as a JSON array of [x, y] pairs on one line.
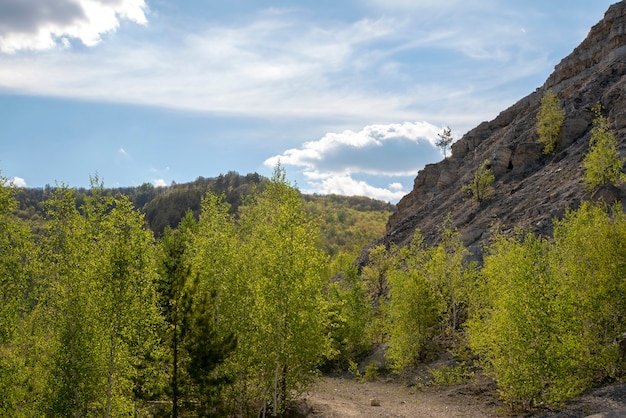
[[285, 269], [589, 247], [481, 185], [444, 141], [514, 329], [16, 300], [68, 312], [212, 335], [451, 276], [374, 274], [174, 271], [549, 121], [415, 306], [602, 163], [127, 276]]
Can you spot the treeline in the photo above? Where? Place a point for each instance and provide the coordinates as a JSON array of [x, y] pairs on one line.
[[345, 221]]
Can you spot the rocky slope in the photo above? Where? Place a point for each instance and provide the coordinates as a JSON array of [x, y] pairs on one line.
[[530, 189]]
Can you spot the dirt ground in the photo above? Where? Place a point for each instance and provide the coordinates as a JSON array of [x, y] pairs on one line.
[[339, 397]]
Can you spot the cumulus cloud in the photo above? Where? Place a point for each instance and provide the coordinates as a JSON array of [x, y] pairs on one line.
[[334, 163], [160, 183], [40, 25], [18, 182]]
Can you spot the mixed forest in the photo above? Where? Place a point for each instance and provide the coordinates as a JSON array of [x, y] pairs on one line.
[[233, 303]]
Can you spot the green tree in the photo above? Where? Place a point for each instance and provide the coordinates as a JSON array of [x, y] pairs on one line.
[[374, 274], [212, 332], [174, 272], [349, 314], [589, 249], [514, 330], [127, 276], [17, 397], [416, 307], [549, 121], [602, 163], [444, 141], [286, 269], [480, 187], [451, 276], [70, 324]]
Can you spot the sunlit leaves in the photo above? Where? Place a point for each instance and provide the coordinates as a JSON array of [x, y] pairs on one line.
[[549, 121], [602, 163]]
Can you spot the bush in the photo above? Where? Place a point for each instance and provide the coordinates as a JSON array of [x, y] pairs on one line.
[[549, 121], [602, 163], [481, 185]]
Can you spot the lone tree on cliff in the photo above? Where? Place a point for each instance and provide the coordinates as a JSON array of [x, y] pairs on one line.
[[445, 140], [481, 185]]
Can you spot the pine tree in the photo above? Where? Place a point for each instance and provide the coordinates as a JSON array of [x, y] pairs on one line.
[[444, 141]]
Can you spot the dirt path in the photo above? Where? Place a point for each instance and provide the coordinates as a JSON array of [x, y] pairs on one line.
[[336, 397]]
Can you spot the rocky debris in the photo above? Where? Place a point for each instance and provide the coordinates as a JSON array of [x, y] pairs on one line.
[[530, 188], [614, 414]]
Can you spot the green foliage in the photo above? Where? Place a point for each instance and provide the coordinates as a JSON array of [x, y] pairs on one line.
[[347, 223], [447, 375], [514, 331], [444, 141], [285, 266], [589, 253], [371, 371], [554, 312], [429, 291], [415, 306], [17, 394], [375, 276], [602, 163], [549, 121], [349, 314], [480, 187]]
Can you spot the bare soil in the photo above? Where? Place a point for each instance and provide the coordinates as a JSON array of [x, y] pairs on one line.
[[339, 397]]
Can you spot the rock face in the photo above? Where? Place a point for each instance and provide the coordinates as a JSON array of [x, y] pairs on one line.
[[531, 189]]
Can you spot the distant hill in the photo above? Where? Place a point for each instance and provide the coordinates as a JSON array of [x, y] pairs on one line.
[[346, 222]]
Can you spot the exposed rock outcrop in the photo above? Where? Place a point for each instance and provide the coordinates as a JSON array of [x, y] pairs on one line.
[[531, 189]]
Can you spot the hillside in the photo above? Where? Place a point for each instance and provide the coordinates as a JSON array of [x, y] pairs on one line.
[[531, 189], [346, 222]]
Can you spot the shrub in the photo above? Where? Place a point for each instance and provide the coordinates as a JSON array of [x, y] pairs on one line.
[[549, 121], [602, 163], [481, 185]]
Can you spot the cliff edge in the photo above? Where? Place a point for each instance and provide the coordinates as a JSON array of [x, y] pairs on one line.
[[531, 189]]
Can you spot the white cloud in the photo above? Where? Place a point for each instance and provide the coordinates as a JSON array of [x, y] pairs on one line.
[[160, 183], [281, 64], [334, 163], [18, 182], [41, 25], [344, 184]]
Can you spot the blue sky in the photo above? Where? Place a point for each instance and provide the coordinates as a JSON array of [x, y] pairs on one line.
[[348, 95]]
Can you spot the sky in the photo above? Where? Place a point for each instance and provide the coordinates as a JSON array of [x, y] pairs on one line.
[[347, 96]]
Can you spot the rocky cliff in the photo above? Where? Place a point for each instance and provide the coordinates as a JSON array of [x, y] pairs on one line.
[[531, 189]]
